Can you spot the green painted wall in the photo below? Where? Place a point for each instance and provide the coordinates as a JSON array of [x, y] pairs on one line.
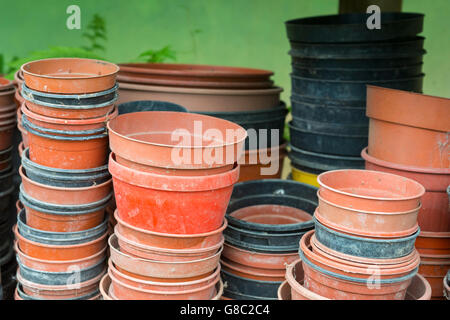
[[233, 32]]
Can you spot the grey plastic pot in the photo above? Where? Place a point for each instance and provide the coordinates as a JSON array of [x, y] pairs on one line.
[[63, 177], [60, 238], [60, 278], [249, 287], [24, 296], [364, 247]]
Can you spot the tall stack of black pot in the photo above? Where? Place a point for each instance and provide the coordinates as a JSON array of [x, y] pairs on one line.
[[333, 59]]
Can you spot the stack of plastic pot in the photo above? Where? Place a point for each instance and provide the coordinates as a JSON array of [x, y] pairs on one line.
[[266, 219], [362, 247], [333, 59], [244, 96], [408, 136], [61, 231], [7, 185], [173, 175]]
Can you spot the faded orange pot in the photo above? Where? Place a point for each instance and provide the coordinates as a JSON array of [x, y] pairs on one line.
[[408, 128], [370, 190], [433, 243], [250, 272], [434, 268]]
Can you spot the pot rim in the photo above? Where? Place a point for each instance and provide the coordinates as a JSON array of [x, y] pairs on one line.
[[296, 285], [215, 274], [220, 92], [391, 165], [24, 71], [253, 271], [434, 234], [59, 247], [8, 92], [367, 212], [421, 188], [71, 189], [2, 152], [169, 235], [421, 75], [109, 116], [67, 96], [195, 116], [263, 254], [168, 263], [281, 147]]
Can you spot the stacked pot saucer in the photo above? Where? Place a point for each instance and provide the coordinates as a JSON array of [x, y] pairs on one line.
[[171, 199], [363, 243], [420, 123], [61, 232], [266, 219], [333, 59]]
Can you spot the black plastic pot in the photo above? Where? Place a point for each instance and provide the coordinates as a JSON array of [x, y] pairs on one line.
[[5, 231], [329, 114], [352, 27], [349, 90], [60, 278], [6, 198], [249, 287], [60, 238], [69, 101], [319, 162], [358, 74], [37, 205], [328, 143], [364, 247], [359, 63], [324, 102], [271, 119], [237, 296], [332, 128], [8, 267], [149, 105], [63, 177], [365, 50]]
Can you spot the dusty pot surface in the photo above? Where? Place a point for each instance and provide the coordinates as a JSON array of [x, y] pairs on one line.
[[60, 195], [169, 241], [166, 203], [433, 215], [203, 100], [69, 75], [367, 223], [175, 140], [161, 269], [419, 123], [370, 190]]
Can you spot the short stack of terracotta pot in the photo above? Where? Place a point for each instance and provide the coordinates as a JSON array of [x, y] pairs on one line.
[[244, 96], [363, 243], [266, 219], [408, 136], [170, 211], [61, 232]]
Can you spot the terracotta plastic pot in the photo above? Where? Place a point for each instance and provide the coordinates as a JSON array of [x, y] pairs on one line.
[[419, 289], [258, 259], [58, 195], [366, 223], [58, 292], [21, 148], [60, 266], [6, 133], [169, 241], [161, 269], [24, 134], [18, 99], [164, 254], [62, 218], [176, 140], [370, 190], [20, 295], [126, 288], [59, 252], [434, 268], [419, 123], [171, 204], [5, 155], [5, 84], [336, 280], [7, 97], [434, 212], [69, 75], [433, 243], [249, 272], [257, 164], [203, 100]]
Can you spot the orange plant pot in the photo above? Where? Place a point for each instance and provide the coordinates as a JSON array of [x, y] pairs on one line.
[[370, 190], [7, 97], [69, 75], [171, 204], [250, 272], [69, 113], [254, 164], [6, 134], [434, 268], [433, 243], [403, 124], [435, 214], [18, 99], [169, 241], [59, 252]]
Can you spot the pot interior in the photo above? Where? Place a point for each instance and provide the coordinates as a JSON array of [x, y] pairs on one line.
[[271, 214]]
